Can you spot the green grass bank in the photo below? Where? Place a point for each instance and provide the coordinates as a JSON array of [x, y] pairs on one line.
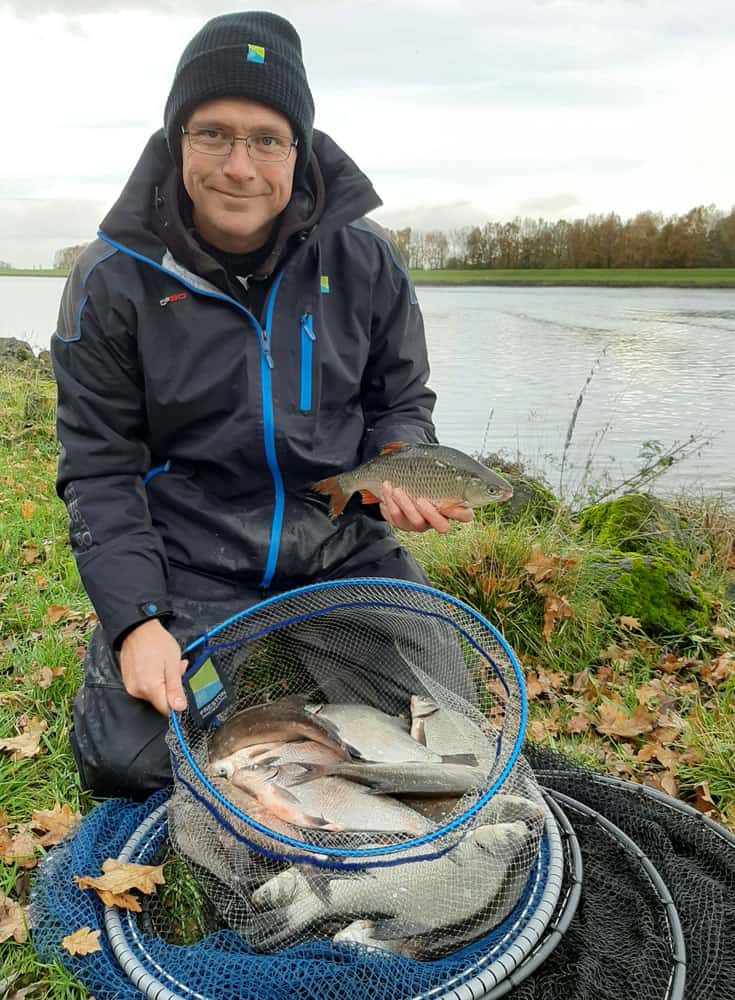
[[693, 277], [29, 272], [626, 672]]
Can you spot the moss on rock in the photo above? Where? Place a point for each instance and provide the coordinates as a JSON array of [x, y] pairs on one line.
[[653, 589], [640, 523]]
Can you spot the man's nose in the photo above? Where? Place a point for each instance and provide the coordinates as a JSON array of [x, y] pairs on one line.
[[239, 163]]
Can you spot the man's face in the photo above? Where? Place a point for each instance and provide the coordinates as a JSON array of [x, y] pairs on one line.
[[236, 199]]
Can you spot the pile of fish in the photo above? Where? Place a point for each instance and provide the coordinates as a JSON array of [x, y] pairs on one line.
[[292, 765]]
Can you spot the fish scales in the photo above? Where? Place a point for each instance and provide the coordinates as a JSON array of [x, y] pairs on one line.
[[329, 803], [446, 476], [373, 735], [483, 871]]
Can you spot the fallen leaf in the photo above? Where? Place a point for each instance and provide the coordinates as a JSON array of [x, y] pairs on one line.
[[630, 623], [21, 851], [113, 886], [556, 609], [703, 800], [28, 744], [542, 567], [664, 755], [723, 633], [578, 724], [41, 582], [82, 942], [42, 676], [31, 552], [54, 823], [615, 720], [539, 729], [13, 921], [26, 509], [664, 782], [55, 613]]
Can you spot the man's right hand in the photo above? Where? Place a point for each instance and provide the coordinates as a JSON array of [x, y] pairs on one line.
[[151, 667]]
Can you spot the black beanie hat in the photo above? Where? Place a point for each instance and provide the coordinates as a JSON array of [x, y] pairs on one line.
[[255, 55]]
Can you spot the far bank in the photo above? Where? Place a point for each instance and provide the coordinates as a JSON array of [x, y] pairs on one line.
[[691, 277]]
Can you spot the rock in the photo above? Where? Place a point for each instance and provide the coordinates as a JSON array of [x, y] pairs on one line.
[[15, 350], [653, 589], [531, 496], [638, 522]]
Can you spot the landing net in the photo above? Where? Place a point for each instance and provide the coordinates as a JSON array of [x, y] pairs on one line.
[[396, 670]]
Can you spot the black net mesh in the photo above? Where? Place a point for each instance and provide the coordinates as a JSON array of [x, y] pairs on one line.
[[620, 943]]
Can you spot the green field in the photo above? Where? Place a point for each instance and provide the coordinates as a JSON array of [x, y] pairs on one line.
[[626, 277], [29, 272], [691, 277]]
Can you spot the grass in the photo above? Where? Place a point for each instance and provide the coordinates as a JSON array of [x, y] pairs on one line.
[[692, 277], [588, 664], [689, 277], [34, 272]]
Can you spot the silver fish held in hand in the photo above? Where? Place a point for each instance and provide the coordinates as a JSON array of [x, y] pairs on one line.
[[446, 476]]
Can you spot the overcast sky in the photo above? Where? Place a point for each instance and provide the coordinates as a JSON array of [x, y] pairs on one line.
[[564, 107]]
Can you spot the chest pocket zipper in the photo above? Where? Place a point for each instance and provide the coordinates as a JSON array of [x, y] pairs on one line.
[[307, 358]]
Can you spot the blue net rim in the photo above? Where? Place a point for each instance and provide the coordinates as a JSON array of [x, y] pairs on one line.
[[376, 852], [521, 929]]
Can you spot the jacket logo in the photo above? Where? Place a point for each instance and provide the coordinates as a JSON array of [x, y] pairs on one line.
[[324, 284], [173, 298]]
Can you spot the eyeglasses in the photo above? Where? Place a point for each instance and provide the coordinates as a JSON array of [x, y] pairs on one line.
[[262, 146]]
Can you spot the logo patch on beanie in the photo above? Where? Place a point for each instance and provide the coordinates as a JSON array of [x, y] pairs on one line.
[[256, 54]]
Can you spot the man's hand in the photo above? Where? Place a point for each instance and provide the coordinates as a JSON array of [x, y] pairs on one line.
[[407, 514], [151, 667]]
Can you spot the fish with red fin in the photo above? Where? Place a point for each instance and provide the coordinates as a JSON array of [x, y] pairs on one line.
[[446, 476]]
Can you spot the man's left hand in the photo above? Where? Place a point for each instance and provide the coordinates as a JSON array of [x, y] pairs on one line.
[[408, 514]]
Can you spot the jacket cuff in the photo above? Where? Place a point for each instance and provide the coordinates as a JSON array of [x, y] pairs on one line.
[[145, 613]]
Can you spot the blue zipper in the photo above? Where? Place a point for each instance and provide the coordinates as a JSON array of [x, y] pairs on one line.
[[307, 347], [266, 365]]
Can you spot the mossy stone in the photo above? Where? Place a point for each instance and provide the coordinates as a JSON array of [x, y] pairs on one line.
[[638, 522], [653, 589]]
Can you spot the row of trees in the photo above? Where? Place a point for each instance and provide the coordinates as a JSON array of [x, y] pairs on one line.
[[65, 257], [704, 237]]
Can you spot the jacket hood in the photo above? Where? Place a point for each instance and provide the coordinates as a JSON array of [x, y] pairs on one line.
[[152, 213]]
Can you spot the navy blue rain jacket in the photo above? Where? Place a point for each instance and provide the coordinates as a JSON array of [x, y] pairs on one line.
[[192, 429]]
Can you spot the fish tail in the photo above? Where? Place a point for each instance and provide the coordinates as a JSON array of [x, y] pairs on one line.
[[311, 773], [333, 489]]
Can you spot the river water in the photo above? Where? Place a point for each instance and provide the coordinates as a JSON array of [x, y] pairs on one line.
[[509, 364]]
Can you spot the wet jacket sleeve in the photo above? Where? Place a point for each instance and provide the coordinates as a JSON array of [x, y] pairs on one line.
[[397, 401], [103, 457]]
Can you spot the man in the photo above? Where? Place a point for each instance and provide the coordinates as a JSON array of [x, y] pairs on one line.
[[237, 332]]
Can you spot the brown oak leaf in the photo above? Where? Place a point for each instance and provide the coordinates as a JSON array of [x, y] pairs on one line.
[[578, 724], [541, 567], [113, 887], [630, 623], [703, 800], [616, 721], [56, 612], [54, 823], [21, 850], [28, 744], [556, 609], [82, 942], [13, 921]]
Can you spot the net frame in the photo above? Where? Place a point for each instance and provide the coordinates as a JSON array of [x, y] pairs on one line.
[[526, 926], [513, 685]]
